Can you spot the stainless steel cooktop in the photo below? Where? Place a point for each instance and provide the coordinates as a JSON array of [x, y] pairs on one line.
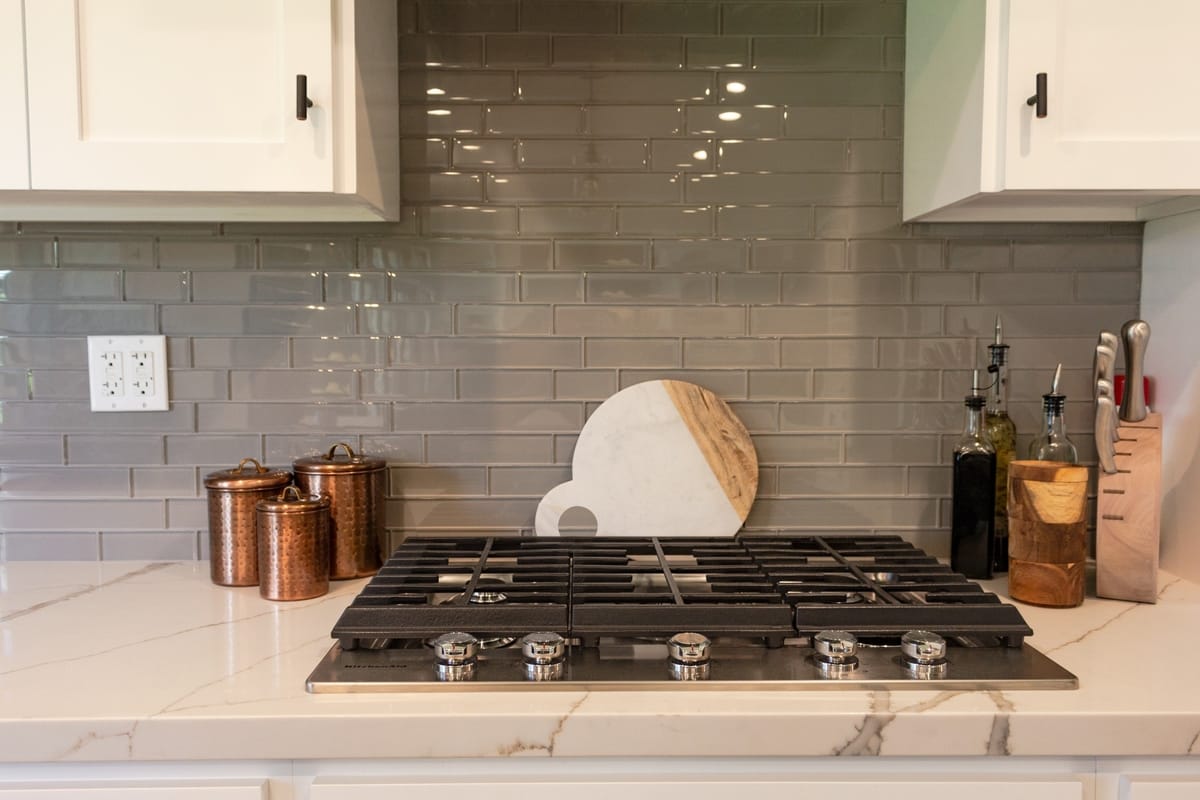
[[752, 612]]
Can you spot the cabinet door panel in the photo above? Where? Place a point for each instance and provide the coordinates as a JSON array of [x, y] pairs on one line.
[[179, 96], [14, 163], [1116, 118], [899, 789], [201, 790], [1160, 789]]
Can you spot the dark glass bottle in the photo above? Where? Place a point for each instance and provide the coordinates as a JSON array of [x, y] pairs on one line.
[[973, 515], [1003, 435]]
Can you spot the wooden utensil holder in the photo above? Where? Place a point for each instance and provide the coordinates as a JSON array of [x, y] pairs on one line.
[[1047, 532], [1127, 515]]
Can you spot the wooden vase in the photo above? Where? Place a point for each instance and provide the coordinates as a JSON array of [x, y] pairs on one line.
[[1047, 532]]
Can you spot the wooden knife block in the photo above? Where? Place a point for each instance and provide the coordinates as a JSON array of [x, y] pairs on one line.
[[1047, 532], [1127, 515]]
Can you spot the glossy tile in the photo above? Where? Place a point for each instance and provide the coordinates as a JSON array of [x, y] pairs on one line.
[[666, 221], [147, 546], [355, 287], [156, 286], [504, 320], [429, 152], [84, 448], [17, 384], [517, 50], [451, 220], [525, 481], [730, 353], [795, 448], [834, 481], [496, 384], [1108, 287], [560, 86], [164, 482], [894, 449], [833, 122], [753, 289], [453, 86], [892, 416], [1082, 255], [56, 319], [819, 89], [829, 353], [650, 320], [1026, 288], [856, 289], [926, 353], [33, 482], [257, 287], [862, 19], [123, 253], [792, 256], [780, 384], [27, 253], [717, 52], [900, 255], [510, 417], [446, 287], [569, 16], [434, 120], [584, 384], [769, 18], [320, 254], [408, 384], [641, 352], [908, 384], [252, 320], [764, 221], [458, 352], [669, 17], [406, 320], [490, 449], [825, 513], [782, 155], [807, 188], [638, 121], [465, 514], [861, 221], [51, 546], [524, 120], [427, 50], [546, 288], [50, 384], [239, 352], [80, 515], [625, 50], [624, 288], [292, 385], [492, 153], [444, 187], [437, 481], [439, 254], [212, 449], [616, 154], [729, 121], [822, 53], [875, 155], [467, 16], [559, 220], [291, 417], [583, 187], [726, 384], [616, 255], [700, 255], [846, 320], [21, 285], [31, 448], [1033, 320]]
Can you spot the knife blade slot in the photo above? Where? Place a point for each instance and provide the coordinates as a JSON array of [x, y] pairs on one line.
[[1124, 471], [1114, 491], [1119, 453], [1111, 516]]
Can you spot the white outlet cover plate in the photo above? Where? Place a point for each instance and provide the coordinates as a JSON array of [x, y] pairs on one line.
[[128, 373]]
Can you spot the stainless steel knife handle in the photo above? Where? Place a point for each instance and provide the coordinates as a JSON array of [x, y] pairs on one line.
[[1105, 450], [1102, 365], [1135, 334], [1109, 340], [1104, 388]]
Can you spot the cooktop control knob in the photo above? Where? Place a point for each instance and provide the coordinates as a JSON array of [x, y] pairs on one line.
[[688, 656], [924, 652], [835, 652], [544, 653], [455, 655]]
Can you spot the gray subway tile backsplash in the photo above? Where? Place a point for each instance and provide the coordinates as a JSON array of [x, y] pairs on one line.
[[596, 202]]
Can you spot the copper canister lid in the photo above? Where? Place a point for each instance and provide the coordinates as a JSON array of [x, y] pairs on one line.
[[244, 479], [292, 501], [331, 464]]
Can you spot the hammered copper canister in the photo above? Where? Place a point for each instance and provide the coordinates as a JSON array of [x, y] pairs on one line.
[[232, 522], [293, 546], [355, 485]]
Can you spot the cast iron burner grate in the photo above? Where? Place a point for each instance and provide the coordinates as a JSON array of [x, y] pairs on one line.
[[761, 587]]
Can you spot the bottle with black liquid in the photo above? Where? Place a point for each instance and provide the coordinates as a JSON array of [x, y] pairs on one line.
[[1003, 435], [973, 525]]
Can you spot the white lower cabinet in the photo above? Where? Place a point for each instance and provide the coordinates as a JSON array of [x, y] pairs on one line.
[[706, 788], [138, 790]]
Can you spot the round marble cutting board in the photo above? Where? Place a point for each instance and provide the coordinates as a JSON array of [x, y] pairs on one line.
[[660, 458]]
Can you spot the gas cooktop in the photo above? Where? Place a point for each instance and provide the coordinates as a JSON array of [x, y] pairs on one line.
[[751, 612]]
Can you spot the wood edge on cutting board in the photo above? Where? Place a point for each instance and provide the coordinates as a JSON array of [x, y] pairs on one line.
[[722, 439]]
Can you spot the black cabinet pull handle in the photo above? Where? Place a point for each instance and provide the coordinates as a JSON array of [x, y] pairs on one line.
[[1039, 99], [303, 104]]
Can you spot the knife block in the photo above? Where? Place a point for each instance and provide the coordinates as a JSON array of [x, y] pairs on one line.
[[1127, 515], [1047, 532]]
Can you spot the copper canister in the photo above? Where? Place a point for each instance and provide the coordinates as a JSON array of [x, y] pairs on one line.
[[232, 497], [293, 546], [355, 485]]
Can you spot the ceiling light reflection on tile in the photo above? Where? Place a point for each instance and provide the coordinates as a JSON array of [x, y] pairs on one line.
[[735, 87], [724, 116], [438, 112], [435, 91]]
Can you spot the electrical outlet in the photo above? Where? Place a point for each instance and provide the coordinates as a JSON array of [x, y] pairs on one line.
[[128, 373]]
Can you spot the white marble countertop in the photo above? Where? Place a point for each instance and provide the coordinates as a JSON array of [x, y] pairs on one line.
[[126, 661]]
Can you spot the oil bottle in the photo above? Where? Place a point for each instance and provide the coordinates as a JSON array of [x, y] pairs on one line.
[[973, 525], [1003, 435]]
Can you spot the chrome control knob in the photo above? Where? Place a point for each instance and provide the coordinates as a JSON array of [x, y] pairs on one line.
[[543, 647], [923, 647], [835, 647], [688, 656], [455, 655], [924, 653]]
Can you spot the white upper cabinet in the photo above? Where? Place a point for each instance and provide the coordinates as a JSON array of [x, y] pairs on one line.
[[1118, 140], [172, 109], [14, 147]]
